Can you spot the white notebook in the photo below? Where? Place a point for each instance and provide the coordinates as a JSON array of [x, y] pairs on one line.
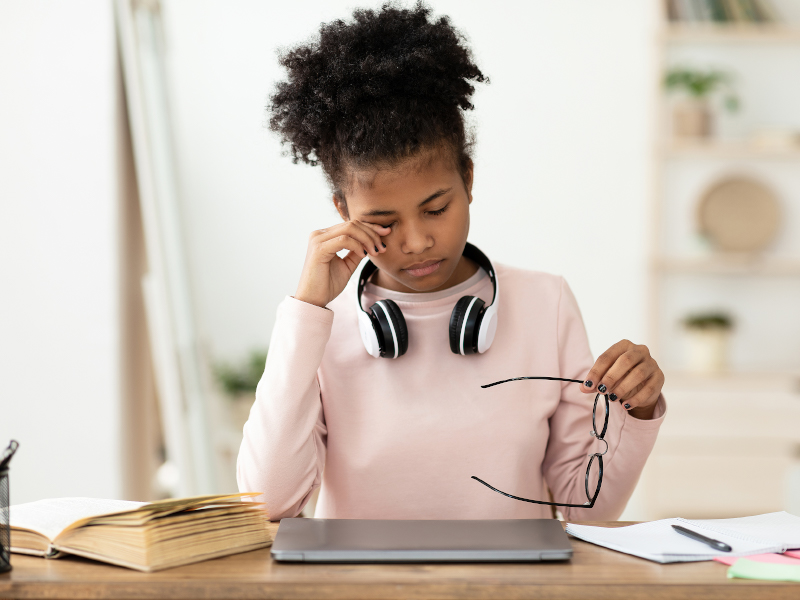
[[659, 542]]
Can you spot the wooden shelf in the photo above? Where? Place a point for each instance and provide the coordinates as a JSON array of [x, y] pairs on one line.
[[730, 265], [728, 150], [731, 33]]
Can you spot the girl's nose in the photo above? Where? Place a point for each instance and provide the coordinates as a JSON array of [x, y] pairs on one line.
[[415, 241]]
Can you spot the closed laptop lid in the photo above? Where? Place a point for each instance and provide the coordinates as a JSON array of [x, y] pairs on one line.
[[366, 540]]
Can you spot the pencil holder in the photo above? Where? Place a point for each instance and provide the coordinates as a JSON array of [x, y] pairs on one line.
[[5, 530]]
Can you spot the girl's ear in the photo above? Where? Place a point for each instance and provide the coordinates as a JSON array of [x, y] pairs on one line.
[[341, 207], [468, 176]]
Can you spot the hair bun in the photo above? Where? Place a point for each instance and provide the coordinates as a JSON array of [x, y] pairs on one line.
[[366, 84]]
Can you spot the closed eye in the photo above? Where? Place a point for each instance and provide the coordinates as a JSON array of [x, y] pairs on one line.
[[382, 224], [440, 211]]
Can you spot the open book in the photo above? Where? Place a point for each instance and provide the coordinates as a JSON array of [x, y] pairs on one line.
[[139, 535], [657, 541]]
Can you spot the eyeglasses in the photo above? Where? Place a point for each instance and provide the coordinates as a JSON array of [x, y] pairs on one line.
[[594, 471]]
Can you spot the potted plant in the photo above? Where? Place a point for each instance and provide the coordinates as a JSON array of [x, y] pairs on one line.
[[692, 116], [707, 336], [239, 384]]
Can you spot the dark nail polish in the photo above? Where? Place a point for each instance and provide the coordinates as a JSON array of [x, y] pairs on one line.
[[627, 405], [376, 248], [602, 388], [588, 383], [384, 245], [612, 397], [365, 252]]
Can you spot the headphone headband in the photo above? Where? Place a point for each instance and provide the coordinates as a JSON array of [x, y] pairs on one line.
[[473, 323], [366, 272], [474, 253], [470, 251]]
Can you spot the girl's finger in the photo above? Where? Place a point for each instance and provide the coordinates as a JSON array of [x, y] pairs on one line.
[[603, 364], [630, 384], [379, 229], [349, 229], [648, 394], [359, 230], [374, 231], [620, 369], [352, 259], [329, 248]]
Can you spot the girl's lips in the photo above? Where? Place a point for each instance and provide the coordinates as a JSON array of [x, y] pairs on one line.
[[424, 269]]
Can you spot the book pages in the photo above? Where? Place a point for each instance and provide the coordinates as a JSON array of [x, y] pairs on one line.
[[139, 535], [50, 517], [781, 526], [657, 541]]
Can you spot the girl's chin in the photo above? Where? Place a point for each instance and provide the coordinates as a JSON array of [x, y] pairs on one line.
[[403, 281], [428, 283]]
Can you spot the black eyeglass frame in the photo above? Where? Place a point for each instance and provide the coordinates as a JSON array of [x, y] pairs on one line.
[[595, 455]]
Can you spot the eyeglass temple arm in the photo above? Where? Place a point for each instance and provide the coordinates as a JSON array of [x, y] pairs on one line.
[[585, 505], [488, 385]]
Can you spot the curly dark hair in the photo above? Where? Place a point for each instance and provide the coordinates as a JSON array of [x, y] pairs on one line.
[[376, 91]]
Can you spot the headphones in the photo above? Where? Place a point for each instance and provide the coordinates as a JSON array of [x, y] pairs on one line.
[[472, 323]]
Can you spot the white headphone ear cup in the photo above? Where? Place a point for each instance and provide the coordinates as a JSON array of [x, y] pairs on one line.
[[368, 334], [465, 322], [393, 331], [400, 328], [488, 328], [456, 321]]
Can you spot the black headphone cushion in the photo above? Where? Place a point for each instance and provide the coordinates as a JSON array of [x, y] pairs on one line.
[[399, 322], [456, 322]]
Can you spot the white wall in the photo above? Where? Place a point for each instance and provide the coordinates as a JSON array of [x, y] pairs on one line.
[[561, 165], [59, 376], [561, 185]]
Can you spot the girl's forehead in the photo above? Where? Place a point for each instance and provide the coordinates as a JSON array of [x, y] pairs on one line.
[[404, 182]]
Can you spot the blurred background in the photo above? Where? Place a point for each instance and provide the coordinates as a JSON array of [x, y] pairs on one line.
[[647, 150]]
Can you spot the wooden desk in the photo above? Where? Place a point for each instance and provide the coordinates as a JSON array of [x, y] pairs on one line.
[[593, 573]]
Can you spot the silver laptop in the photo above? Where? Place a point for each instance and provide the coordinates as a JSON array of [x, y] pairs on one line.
[[362, 540]]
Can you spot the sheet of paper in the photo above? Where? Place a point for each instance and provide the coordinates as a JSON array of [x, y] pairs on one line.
[[750, 569], [780, 527], [659, 542], [777, 559], [51, 517]]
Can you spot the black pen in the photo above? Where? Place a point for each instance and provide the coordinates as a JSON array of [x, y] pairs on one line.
[[716, 544]]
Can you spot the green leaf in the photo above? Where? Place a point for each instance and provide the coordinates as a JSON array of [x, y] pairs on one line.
[[244, 378]]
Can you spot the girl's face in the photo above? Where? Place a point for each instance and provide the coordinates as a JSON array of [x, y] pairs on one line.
[[425, 202]]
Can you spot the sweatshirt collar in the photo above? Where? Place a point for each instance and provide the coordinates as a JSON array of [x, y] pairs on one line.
[[456, 290]]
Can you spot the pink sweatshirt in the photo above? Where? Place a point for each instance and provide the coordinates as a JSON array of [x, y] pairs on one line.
[[400, 439]]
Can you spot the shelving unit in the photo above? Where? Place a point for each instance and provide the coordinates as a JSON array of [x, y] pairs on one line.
[[737, 266], [727, 150], [724, 449], [717, 157], [728, 33]]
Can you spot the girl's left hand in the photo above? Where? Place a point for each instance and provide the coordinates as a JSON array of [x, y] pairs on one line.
[[627, 372]]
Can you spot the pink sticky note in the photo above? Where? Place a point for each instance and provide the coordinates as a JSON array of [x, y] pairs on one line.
[[779, 559], [794, 553]]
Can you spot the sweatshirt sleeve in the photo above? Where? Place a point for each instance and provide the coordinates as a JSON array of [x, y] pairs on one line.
[[282, 455], [630, 440]]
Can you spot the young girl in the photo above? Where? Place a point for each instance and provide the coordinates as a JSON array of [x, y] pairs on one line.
[[398, 429]]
